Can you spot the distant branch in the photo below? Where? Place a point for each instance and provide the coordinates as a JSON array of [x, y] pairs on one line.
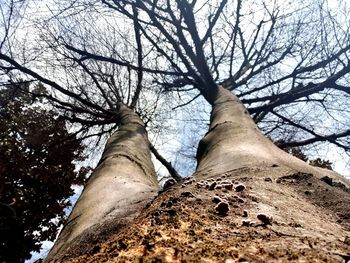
[[167, 164]]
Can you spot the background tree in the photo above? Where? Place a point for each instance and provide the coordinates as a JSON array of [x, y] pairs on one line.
[[102, 102], [37, 170]]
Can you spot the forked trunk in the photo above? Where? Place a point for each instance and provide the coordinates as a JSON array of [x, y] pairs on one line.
[[247, 202], [121, 185]]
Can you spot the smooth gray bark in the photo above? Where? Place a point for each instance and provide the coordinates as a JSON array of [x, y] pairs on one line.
[[234, 150], [234, 141], [121, 185]]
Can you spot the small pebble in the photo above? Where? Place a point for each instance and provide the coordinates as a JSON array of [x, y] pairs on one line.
[[222, 208], [187, 194], [246, 223], [219, 186], [199, 185], [156, 213], [254, 199], [240, 200], [228, 186], [169, 183], [268, 179], [265, 219], [212, 186], [208, 230], [216, 199], [240, 188]]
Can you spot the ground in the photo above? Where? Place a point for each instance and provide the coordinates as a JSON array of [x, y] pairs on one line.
[[269, 214]]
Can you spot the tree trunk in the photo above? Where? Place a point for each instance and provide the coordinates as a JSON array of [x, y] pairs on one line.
[[234, 141], [247, 201], [121, 185]]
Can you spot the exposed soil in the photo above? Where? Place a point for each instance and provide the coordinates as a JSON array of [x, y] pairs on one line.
[[269, 214]]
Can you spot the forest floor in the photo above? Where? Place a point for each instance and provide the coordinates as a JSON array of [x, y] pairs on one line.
[[269, 214]]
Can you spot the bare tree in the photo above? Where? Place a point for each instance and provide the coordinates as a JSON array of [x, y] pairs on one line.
[[276, 59], [98, 101], [283, 63]]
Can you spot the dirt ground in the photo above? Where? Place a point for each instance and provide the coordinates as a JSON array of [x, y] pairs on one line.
[[269, 214]]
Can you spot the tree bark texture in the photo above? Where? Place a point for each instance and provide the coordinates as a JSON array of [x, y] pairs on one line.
[[121, 185], [248, 201], [234, 141]]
